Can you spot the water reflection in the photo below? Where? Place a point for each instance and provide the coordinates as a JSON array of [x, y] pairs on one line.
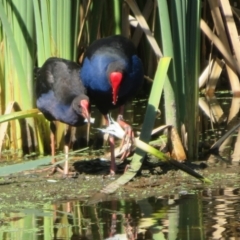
[[208, 214]]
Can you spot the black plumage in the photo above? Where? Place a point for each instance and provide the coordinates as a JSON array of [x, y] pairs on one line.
[[62, 97]]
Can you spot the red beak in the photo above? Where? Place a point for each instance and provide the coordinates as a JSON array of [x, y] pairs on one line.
[[85, 106], [116, 79]]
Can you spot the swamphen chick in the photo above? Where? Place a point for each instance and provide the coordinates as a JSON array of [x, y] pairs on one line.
[[112, 73], [61, 97]]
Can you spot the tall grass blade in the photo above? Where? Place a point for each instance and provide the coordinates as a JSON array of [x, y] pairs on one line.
[[95, 20], [178, 13], [45, 27], [24, 90], [117, 16], [192, 74], [74, 40], [181, 40], [40, 42], [170, 85]]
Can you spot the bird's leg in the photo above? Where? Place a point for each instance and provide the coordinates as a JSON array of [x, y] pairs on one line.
[[113, 166], [67, 142], [52, 140], [52, 145], [128, 140], [69, 138]]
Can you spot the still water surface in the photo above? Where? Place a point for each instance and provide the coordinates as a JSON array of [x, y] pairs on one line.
[[205, 214]]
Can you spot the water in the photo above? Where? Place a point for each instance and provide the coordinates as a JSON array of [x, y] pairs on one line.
[[206, 214]]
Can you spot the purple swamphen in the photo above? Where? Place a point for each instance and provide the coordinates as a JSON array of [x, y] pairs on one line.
[[112, 74], [61, 97]]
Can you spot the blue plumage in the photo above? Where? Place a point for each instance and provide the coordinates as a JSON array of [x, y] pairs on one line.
[[111, 54], [53, 109], [61, 97], [112, 73], [60, 92], [94, 72]]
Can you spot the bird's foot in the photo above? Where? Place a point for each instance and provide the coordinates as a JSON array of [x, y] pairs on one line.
[[128, 140], [52, 169], [55, 169], [113, 167], [127, 167], [58, 169], [110, 175]]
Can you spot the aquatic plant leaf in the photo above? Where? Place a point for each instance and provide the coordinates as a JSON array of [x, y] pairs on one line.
[[19, 115], [212, 109], [177, 152], [231, 28], [29, 165], [8, 116], [217, 144], [19, 167], [145, 28], [210, 75], [4, 126], [138, 31], [163, 157], [236, 151], [222, 44]]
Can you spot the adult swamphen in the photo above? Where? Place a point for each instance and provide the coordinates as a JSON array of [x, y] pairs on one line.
[[61, 97], [112, 73]]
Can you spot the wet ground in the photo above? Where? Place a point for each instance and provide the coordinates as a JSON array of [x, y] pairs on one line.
[[30, 189], [159, 200]]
